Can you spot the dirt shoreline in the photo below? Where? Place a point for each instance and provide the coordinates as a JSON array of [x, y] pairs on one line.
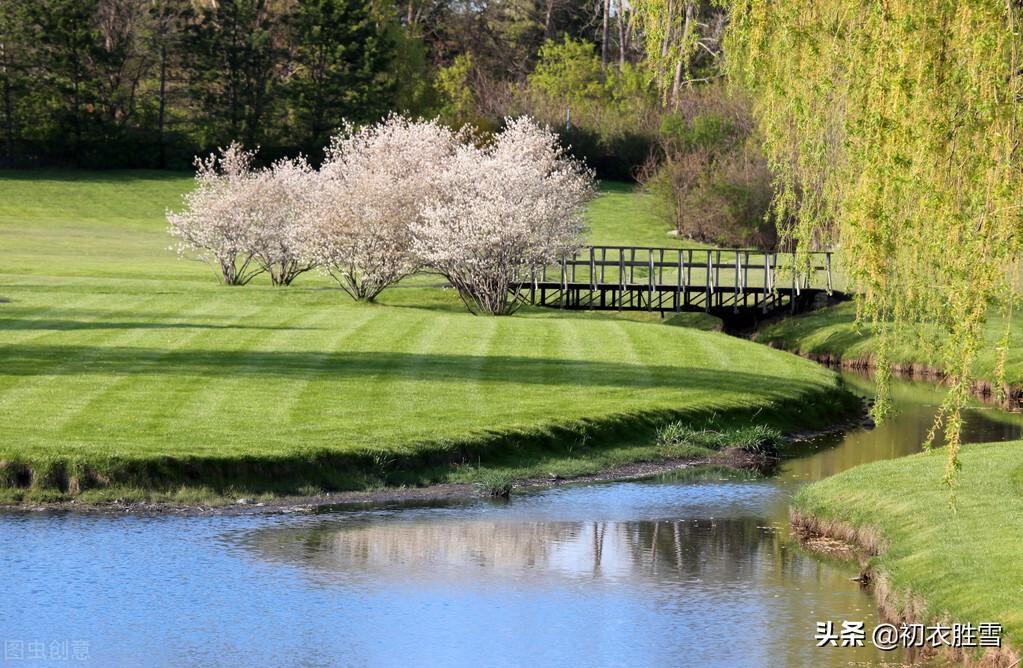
[[841, 540], [982, 389], [437, 493]]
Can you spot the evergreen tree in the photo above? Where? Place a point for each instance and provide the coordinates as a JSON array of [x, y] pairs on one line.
[[341, 59], [67, 44], [237, 55]]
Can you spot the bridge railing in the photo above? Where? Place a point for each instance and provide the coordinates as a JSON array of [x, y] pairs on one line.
[[710, 269]]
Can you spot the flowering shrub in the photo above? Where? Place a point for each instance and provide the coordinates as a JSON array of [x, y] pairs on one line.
[[372, 188], [215, 222], [283, 199], [391, 198], [502, 212], [243, 221]]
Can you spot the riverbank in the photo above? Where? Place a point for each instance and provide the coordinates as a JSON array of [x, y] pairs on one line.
[[734, 460], [618, 448], [832, 337], [635, 462], [130, 375], [926, 563]]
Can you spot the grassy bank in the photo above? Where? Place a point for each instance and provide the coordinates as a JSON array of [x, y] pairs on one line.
[[833, 332], [128, 372], [931, 563]]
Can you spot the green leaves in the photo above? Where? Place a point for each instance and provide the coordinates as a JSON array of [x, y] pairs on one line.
[[891, 128]]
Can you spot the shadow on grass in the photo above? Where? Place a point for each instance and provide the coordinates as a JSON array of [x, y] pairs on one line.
[[72, 325], [29, 360], [112, 176]]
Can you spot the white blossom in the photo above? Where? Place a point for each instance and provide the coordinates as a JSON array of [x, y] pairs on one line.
[[283, 199], [503, 212], [215, 221], [244, 221], [373, 187]]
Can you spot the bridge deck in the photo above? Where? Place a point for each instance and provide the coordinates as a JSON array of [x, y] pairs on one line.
[[680, 279]]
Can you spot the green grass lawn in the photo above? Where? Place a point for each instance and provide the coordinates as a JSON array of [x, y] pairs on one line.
[[626, 216], [121, 364], [964, 566], [834, 331]]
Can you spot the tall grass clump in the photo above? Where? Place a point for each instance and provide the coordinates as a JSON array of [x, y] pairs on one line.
[[755, 439]]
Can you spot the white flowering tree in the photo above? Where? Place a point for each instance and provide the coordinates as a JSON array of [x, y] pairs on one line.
[[373, 186], [503, 212], [215, 221], [243, 221], [282, 199]]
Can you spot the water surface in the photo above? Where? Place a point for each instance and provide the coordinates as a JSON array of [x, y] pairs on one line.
[[693, 569]]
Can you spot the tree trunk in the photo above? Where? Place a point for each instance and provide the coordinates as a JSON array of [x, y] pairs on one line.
[[604, 34], [162, 114], [687, 26], [8, 107], [621, 35]]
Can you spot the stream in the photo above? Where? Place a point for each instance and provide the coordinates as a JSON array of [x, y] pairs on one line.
[[695, 568]]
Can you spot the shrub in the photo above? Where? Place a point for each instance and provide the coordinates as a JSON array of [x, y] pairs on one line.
[[711, 175], [568, 71], [286, 197], [243, 221], [371, 189], [504, 211], [676, 434], [758, 439], [458, 98], [495, 484]]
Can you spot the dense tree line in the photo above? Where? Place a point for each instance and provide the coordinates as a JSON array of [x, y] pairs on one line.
[[148, 83], [153, 82]]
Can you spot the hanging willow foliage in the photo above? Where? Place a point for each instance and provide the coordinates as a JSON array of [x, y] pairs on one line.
[[893, 129]]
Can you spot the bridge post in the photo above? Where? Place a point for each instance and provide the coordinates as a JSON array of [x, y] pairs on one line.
[[650, 292], [621, 278], [709, 282], [593, 269], [795, 275], [678, 282], [564, 281], [745, 276], [736, 282], [767, 269]]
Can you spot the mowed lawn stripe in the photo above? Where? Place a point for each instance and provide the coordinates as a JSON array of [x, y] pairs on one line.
[[21, 323], [141, 400], [46, 372], [371, 374], [319, 402], [415, 396], [77, 399], [230, 410]]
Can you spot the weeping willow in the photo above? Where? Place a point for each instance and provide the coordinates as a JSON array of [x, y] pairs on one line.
[[893, 128]]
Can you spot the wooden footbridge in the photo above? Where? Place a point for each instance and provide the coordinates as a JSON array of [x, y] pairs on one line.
[[724, 282]]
